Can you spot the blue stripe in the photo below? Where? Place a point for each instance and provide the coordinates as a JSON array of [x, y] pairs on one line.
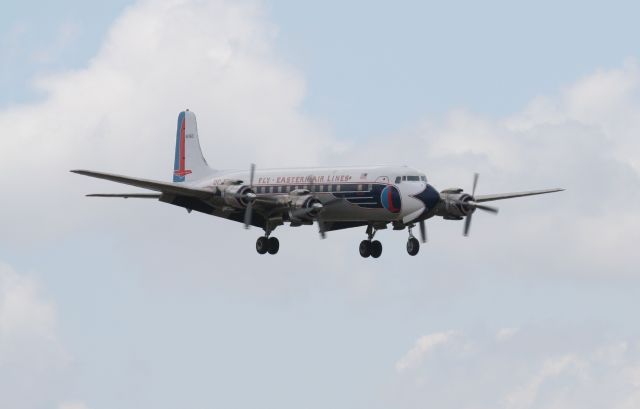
[[176, 163]]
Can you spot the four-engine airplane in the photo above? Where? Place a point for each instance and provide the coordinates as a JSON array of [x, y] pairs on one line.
[[334, 198]]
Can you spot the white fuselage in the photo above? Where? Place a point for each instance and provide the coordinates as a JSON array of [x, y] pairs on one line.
[[381, 193]]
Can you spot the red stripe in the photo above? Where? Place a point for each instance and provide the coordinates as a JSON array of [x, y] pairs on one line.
[[182, 142], [392, 207]]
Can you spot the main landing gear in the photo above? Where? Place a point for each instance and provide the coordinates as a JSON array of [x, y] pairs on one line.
[[266, 244], [373, 248], [370, 247]]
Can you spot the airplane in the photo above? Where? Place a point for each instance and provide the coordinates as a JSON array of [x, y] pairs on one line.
[[334, 198]]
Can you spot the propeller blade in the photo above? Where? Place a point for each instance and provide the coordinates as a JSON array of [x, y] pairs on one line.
[[467, 224], [423, 232], [321, 230], [475, 183], [252, 172], [248, 212], [486, 208]]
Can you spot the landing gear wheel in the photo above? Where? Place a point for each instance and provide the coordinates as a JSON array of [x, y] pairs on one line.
[[413, 246], [376, 249], [365, 248], [262, 244], [273, 245]]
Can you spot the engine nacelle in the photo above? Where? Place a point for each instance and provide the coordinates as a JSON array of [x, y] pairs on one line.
[[452, 206], [237, 196], [304, 208]]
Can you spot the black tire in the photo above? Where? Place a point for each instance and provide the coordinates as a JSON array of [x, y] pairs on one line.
[[262, 245], [273, 245], [376, 249], [365, 248], [413, 246]]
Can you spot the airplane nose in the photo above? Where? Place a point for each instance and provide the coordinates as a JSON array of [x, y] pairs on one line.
[[429, 196]]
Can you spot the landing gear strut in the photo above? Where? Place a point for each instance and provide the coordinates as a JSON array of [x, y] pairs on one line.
[[368, 247], [266, 244], [413, 245]]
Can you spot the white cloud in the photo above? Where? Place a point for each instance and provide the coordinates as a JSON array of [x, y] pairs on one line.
[[505, 334], [22, 313], [31, 355], [583, 139], [423, 346], [536, 370], [64, 36], [119, 112], [525, 396], [219, 59], [72, 405]]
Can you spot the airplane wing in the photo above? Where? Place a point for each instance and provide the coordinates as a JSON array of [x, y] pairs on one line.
[[162, 187], [128, 195], [502, 196], [191, 198]]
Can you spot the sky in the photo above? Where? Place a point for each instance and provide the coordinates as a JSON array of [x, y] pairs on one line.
[[108, 303]]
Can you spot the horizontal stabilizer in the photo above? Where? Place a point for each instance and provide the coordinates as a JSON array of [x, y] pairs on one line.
[[162, 187], [128, 195], [502, 196]]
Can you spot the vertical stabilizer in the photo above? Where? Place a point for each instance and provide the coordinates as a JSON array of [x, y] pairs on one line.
[[189, 163]]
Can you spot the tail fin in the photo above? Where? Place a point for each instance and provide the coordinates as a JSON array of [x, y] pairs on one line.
[[189, 162]]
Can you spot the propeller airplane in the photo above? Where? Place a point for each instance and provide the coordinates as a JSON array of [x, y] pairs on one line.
[[334, 198]]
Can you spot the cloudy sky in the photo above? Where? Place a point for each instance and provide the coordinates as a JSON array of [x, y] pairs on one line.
[[130, 304]]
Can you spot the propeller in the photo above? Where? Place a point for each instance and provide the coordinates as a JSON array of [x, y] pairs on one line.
[[474, 205], [248, 212], [423, 231], [321, 230]]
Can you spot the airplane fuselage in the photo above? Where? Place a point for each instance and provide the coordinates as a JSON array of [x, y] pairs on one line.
[[372, 193]]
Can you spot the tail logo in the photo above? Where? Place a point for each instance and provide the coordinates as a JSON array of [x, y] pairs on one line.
[[180, 171]]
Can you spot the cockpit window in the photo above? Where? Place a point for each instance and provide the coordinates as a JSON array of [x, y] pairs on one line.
[[398, 179], [404, 178], [413, 178]]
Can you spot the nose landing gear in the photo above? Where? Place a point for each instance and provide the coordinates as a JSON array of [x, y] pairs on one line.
[[413, 245]]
